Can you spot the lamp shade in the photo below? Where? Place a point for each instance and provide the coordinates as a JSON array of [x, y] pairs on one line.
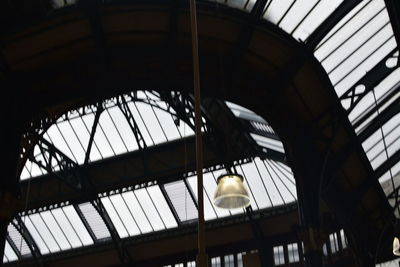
[[396, 246], [231, 193]]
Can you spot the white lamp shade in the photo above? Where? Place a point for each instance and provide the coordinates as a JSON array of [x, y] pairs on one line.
[[396, 246], [231, 193]]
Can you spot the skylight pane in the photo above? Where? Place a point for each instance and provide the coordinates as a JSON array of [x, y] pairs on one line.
[[365, 66], [94, 220], [124, 128], [296, 14], [77, 224], [66, 227], [37, 236], [45, 233], [252, 195], [56, 231], [209, 212], [277, 10], [57, 139], [255, 183], [72, 141], [24, 174], [112, 134], [9, 252], [359, 39], [359, 8], [148, 207], [141, 220], [102, 142], [167, 124], [18, 240], [151, 122], [125, 214], [181, 200], [356, 60], [350, 28], [141, 124], [116, 220], [269, 183], [289, 183], [315, 18], [268, 142], [162, 206]]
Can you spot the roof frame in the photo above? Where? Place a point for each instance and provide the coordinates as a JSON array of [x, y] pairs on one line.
[[316, 37], [370, 80], [71, 174]]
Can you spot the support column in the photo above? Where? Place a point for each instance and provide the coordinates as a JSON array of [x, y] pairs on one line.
[[308, 178], [10, 135]]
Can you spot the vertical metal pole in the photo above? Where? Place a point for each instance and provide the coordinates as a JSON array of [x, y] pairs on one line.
[[201, 257]]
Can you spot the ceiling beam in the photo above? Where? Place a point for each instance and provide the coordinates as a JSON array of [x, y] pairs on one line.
[[393, 8]]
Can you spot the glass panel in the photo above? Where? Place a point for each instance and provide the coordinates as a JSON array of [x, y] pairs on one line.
[[112, 134], [137, 211], [77, 224], [94, 220], [125, 214], [56, 231], [181, 200], [72, 140], [18, 240], [9, 253], [209, 209], [115, 218], [148, 207], [123, 128], [162, 206]]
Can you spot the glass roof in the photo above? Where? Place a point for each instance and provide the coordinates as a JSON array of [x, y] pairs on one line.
[[361, 41], [137, 209], [359, 44]]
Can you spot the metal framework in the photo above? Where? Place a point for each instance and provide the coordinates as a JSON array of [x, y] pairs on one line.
[[224, 131]]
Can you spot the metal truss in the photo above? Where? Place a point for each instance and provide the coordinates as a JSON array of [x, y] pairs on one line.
[[70, 173], [370, 80], [123, 106], [25, 234]]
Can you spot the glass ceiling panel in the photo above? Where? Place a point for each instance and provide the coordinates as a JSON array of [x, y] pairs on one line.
[[352, 48], [299, 17], [9, 254], [94, 220], [18, 241], [181, 200], [113, 134]]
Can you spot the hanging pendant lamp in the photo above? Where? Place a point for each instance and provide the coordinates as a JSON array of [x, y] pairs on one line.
[[231, 192]]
